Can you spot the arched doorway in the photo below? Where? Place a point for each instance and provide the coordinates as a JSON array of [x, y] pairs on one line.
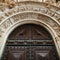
[[30, 42]]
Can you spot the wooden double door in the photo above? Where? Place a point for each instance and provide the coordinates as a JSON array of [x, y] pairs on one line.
[[30, 42]]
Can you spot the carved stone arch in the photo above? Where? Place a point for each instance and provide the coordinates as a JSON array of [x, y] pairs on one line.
[[42, 7], [29, 17]]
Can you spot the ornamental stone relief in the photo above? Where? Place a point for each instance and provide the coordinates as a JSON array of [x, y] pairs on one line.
[[30, 11], [6, 24], [29, 16], [1, 32], [33, 6]]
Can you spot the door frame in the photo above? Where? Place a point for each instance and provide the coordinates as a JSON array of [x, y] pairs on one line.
[[54, 18], [37, 20], [33, 22]]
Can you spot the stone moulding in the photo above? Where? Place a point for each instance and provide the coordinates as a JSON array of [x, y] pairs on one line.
[[31, 12], [45, 8], [7, 24]]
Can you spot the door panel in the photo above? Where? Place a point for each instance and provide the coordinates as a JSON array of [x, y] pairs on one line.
[[30, 42]]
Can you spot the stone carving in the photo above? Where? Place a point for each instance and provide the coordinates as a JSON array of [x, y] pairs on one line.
[[1, 18], [1, 31], [11, 4], [34, 6], [59, 19], [2, 7], [50, 1], [58, 4], [31, 11], [6, 24], [30, 16]]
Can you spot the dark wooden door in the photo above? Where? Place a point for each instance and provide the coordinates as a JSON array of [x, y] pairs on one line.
[[30, 42]]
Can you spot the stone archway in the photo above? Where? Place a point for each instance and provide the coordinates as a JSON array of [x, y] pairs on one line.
[[43, 16], [30, 42], [30, 19]]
